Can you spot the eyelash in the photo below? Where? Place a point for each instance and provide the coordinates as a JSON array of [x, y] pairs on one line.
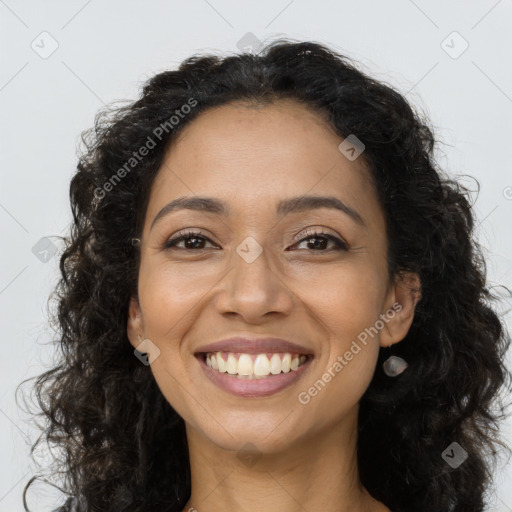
[[307, 234]]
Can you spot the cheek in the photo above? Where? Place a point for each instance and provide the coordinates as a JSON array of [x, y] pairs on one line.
[[348, 299], [167, 299], [348, 306], [168, 293]]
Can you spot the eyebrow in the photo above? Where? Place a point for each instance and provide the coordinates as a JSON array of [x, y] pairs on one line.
[[285, 207]]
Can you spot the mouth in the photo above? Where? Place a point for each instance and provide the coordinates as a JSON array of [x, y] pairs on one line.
[[253, 375], [253, 366]]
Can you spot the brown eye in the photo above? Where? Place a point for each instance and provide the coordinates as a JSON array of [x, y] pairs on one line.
[[192, 240], [314, 236]]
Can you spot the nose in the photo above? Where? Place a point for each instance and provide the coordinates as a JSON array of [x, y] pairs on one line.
[[253, 289]]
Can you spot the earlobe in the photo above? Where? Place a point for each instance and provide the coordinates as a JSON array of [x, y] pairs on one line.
[[405, 294], [134, 324]]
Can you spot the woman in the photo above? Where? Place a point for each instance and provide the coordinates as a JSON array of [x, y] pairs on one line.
[[272, 300]]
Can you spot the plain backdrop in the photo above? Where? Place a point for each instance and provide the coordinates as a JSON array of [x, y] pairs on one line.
[[61, 61]]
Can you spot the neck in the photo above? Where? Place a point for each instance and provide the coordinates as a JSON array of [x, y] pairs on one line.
[[319, 472]]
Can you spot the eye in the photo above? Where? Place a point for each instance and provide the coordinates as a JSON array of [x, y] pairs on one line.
[[313, 236], [191, 238]]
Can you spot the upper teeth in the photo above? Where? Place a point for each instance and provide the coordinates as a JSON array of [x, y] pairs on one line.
[[252, 364]]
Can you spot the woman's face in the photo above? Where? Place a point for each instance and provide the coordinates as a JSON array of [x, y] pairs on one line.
[[259, 272]]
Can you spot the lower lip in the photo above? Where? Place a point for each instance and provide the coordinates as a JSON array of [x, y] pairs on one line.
[[253, 388]]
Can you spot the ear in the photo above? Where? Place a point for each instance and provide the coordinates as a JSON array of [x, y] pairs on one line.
[[403, 295], [134, 326]]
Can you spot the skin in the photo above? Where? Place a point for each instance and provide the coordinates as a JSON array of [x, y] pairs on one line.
[[249, 157]]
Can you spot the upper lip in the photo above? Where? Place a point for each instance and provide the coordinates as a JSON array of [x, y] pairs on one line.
[[248, 345]]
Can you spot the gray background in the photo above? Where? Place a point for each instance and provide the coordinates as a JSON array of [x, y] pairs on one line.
[[104, 50]]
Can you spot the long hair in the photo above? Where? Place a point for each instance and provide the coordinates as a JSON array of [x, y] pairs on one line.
[[121, 446]]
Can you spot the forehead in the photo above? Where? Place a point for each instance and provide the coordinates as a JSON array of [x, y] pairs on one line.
[[249, 155], [280, 131]]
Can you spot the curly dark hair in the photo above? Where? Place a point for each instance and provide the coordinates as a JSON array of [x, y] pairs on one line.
[[120, 442]]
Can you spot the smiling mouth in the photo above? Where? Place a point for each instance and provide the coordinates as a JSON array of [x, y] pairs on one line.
[[254, 366]]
